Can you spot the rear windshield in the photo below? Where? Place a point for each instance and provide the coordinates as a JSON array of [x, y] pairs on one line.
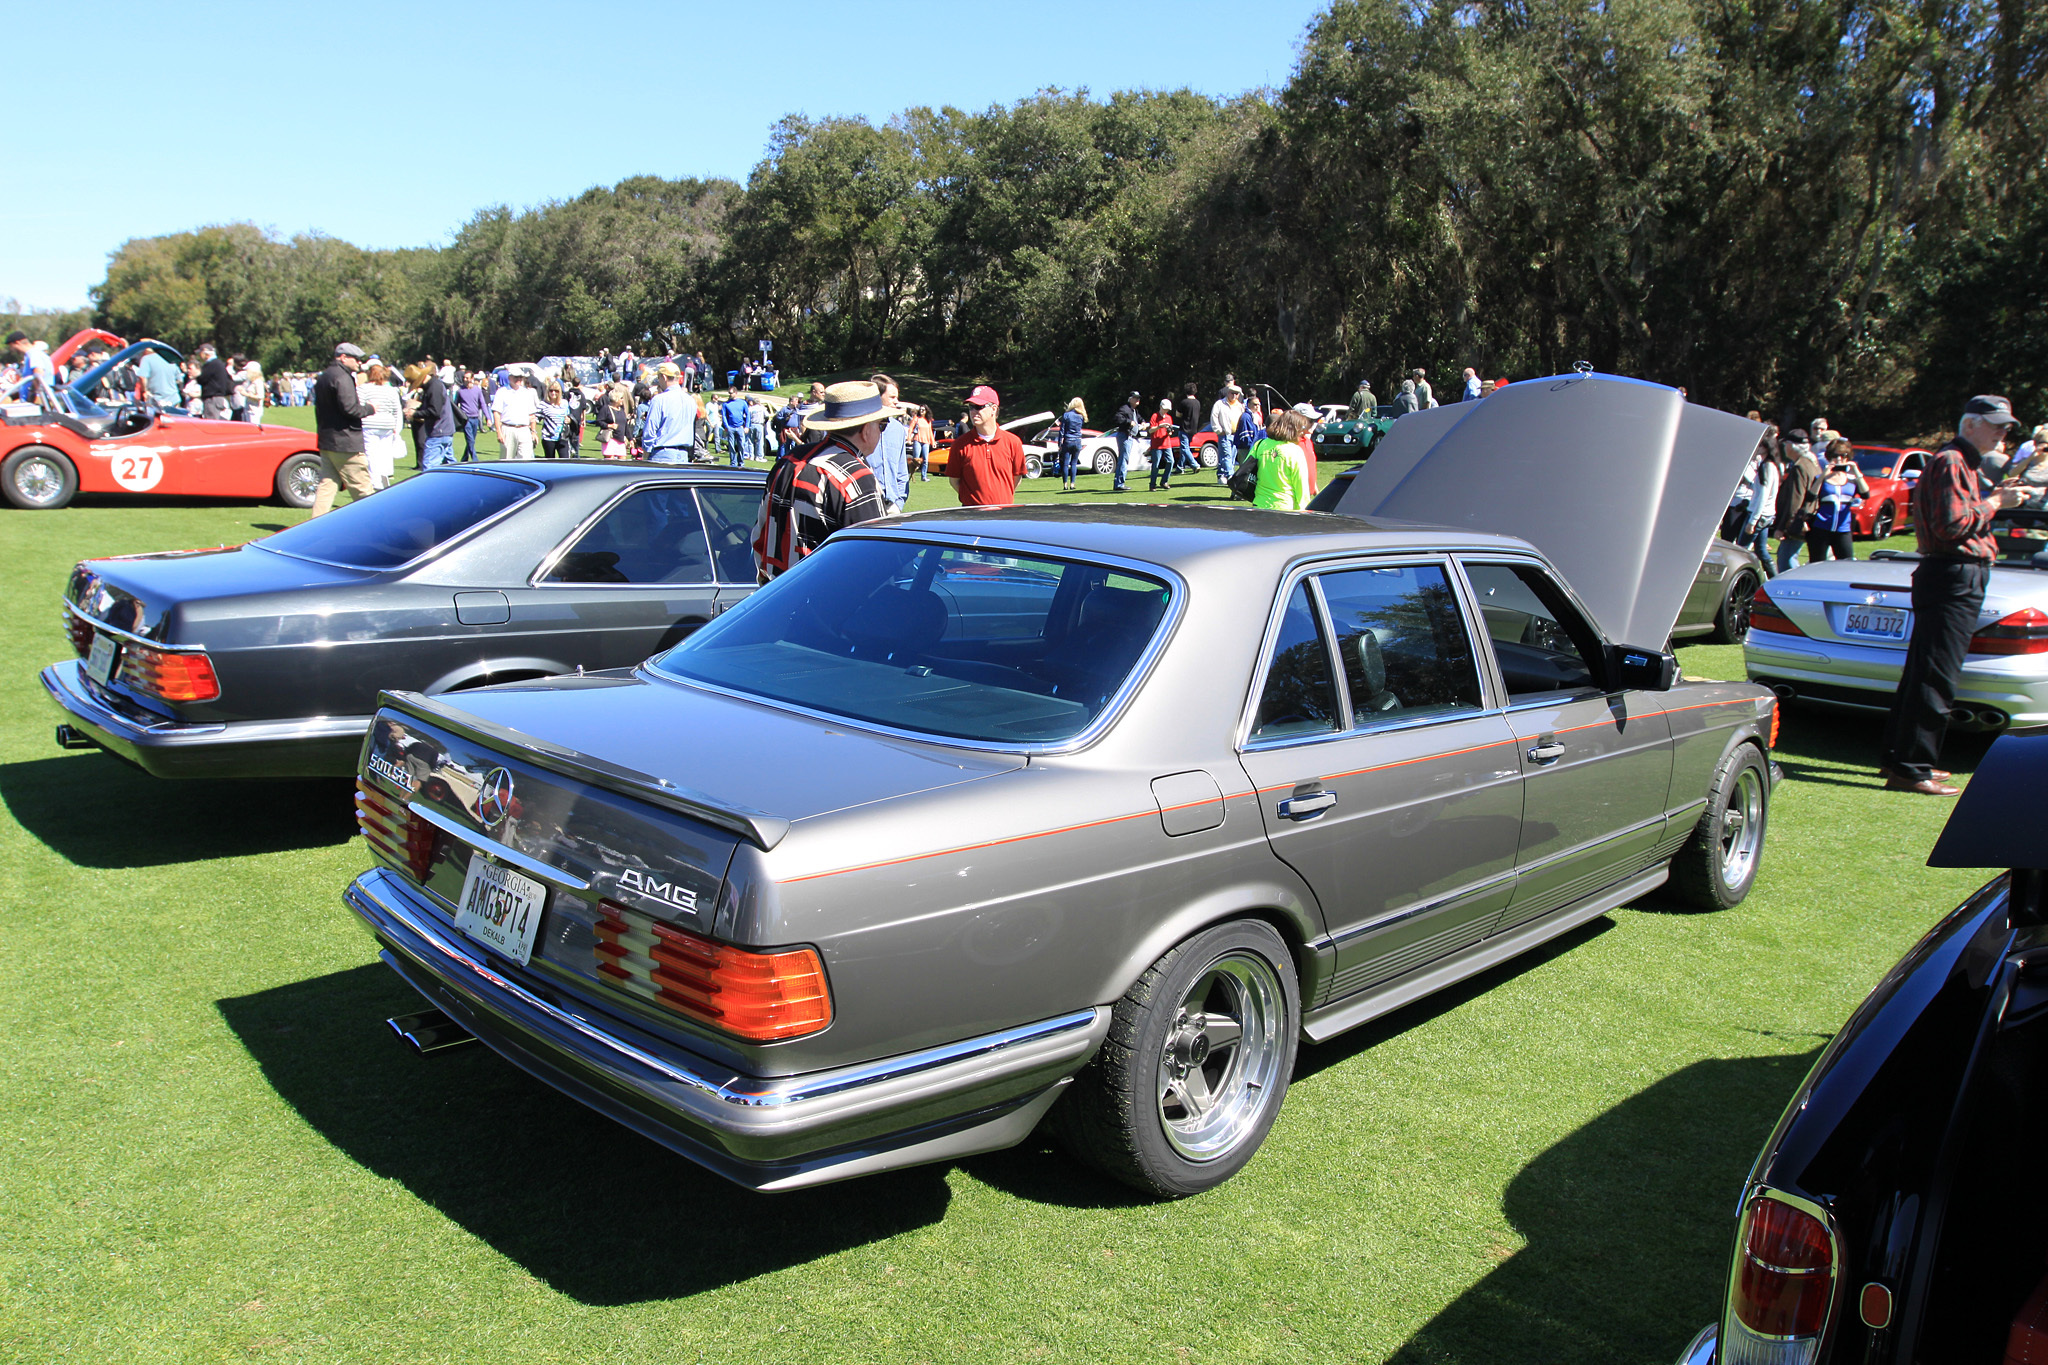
[[404, 521], [967, 644]]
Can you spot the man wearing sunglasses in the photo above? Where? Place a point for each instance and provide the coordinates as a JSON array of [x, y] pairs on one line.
[[984, 461]]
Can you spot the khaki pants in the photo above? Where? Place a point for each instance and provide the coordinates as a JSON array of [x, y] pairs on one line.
[[339, 471], [518, 442]]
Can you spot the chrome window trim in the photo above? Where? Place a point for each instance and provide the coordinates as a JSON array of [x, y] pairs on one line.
[[129, 635], [1336, 563], [535, 488], [537, 578], [1176, 608]]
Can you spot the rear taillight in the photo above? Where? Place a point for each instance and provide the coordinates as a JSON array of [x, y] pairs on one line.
[[394, 831], [81, 632], [2023, 632], [758, 996], [1784, 1275], [1764, 615], [167, 676]]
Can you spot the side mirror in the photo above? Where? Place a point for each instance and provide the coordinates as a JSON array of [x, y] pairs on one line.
[[1646, 670]]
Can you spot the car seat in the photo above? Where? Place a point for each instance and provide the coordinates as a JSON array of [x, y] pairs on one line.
[[1109, 632], [895, 625], [1368, 668]]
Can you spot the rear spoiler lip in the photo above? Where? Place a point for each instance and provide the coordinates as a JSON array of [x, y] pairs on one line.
[[761, 829]]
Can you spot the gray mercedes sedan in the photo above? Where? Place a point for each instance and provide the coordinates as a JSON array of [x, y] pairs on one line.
[[983, 818], [265, 659]]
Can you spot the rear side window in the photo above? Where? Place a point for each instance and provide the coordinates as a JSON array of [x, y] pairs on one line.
[[1299, 697], [1402, 641], [652, 536], [1544, 647], [729, 519], [403, 522]]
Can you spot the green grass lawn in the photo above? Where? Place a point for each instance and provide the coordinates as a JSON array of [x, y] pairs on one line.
[[214, 1150]]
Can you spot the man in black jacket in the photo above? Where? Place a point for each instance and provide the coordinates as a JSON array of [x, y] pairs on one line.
[[1189, 411], [338, 415], [1127, 421], [216, 385], [435, 422]]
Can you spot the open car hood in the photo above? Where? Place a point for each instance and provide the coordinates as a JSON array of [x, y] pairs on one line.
[[1621, 483], [90, 380]]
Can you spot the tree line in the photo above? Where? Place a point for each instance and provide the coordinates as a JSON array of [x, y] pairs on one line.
[[1779, 204]]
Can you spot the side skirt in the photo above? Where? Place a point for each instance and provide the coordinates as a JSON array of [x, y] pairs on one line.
[[1327, 1022]]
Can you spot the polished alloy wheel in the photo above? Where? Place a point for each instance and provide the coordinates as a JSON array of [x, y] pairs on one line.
[[39, 479], [1740, 603], [1882, 527], [305, 482], [1221, 1055], [1742, 827]]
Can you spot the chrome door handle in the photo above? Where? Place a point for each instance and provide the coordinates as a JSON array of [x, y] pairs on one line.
[[1546, 753], [1307, 806]]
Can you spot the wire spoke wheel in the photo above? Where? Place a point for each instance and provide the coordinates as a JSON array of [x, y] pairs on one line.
[[39, 478], [1220, 1056]]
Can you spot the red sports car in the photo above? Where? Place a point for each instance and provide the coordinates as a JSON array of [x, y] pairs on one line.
[[1892, 472], [47, 457]]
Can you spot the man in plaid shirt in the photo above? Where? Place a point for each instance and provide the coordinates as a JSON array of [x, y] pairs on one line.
[[1952, 521], [819, 487]]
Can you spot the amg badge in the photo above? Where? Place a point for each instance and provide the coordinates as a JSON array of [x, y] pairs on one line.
[[668, 893]]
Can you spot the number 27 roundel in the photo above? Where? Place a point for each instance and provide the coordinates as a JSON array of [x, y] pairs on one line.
[[136, 468]]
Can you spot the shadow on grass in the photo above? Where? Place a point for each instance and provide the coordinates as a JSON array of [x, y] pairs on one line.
[[590, 1208], [1629, 1223], [1812, 739], [96, 811]]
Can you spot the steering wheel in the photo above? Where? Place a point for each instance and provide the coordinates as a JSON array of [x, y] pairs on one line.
[[128, 419]]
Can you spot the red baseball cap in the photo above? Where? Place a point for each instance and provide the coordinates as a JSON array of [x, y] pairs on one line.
[[983, 397]]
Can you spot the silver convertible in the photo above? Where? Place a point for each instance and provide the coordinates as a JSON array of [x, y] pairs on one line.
[[990, 817]]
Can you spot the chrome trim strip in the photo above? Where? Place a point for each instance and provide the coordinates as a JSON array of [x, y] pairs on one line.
[[769, 1095], [485, 844], [129, 635], [467, 533], [1479, 888], [1176, 608], [1373, 728]]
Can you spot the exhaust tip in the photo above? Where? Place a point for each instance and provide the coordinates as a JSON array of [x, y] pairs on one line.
[[1784, 691], [71, 737], [430, 1031], [1994, 718]]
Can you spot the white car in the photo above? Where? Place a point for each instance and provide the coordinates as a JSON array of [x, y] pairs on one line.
[[1835, 633]]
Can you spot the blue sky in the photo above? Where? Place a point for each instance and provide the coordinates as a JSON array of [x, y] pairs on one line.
[[387, 130]]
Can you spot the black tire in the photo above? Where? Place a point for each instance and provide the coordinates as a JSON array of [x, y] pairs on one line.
[[1731, 623], [1718, 865], [37, 479], [1192, 1075], [298, 479], [1881, 526]]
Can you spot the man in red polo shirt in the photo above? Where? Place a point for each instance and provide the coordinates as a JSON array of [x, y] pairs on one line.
[[984, 461]]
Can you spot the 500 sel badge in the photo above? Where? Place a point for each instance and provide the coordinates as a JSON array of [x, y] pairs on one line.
[[668, 893]]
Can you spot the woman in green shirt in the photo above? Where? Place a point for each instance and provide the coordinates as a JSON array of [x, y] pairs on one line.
[[1283, 466]]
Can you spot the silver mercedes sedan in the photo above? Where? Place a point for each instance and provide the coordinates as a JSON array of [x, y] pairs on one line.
[[989, 818]]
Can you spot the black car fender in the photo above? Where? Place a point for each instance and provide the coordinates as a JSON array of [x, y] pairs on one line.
[[484, 672]]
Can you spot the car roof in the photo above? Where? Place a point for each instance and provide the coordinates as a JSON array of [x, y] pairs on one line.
[[571, 471], [1181, 535]]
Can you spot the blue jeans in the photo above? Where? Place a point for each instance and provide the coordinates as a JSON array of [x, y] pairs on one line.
[[1226, 458], [469, 430], [1756, 540], [922, 453], [669, 455], [1788, 551], [437, 450], [736, 445], [1163, 461], [1123, 458], [1070, 463]]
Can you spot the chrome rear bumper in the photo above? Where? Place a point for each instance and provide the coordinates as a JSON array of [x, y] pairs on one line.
[[767, 1133], [319, 746]]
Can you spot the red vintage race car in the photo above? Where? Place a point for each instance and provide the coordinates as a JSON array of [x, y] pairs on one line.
[[50, 455]]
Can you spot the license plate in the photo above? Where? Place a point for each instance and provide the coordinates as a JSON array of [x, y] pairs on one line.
[[104, 659], [1876, 623], [500, 908]]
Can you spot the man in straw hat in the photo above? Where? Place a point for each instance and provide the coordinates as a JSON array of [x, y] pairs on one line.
[[823, 482]]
